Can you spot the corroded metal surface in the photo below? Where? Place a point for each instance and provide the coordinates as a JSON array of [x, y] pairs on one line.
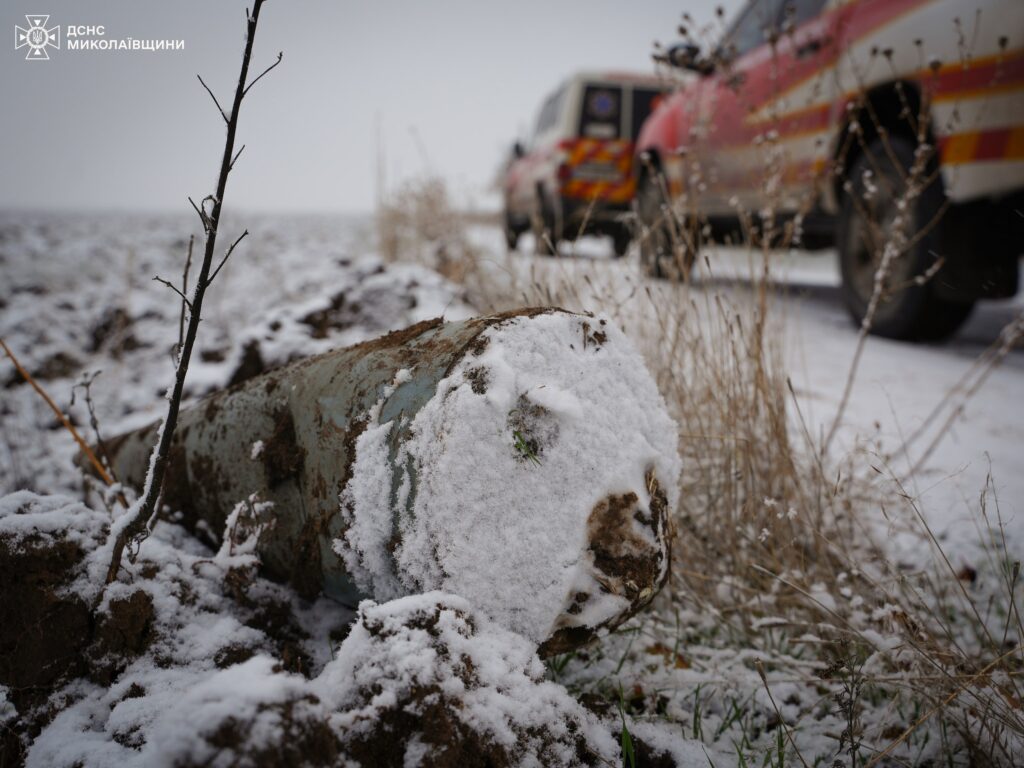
[[290, 437], [307, 416]]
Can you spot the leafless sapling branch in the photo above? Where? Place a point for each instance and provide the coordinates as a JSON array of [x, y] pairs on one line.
[[133, 527], [228, 255], [173, 287], [259, 77], [237, 155], [219, 107], [202, 215], [85, 384]]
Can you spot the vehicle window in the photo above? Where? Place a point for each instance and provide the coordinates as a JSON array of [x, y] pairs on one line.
[[749, 29], [796, 12], [549, 111], [601, 116], [644, 102]]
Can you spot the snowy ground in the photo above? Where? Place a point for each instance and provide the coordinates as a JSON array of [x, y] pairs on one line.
[[71, 282], [77, 296], [680, 663]]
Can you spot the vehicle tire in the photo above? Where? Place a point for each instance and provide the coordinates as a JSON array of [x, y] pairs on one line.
[[662, 251], [907, 308], [544, 224], [621, 240], [511, 234]]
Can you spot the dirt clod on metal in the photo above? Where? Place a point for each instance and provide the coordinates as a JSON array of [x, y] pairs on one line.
[[626, 563]]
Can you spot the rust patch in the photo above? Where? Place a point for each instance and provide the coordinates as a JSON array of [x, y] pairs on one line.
[[212, 407], [399, 338], [349, 446], [203, 471], [319, 488], [283, 457]]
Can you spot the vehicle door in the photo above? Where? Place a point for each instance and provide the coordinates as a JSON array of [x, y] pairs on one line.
[[533, 168], [764, 112]]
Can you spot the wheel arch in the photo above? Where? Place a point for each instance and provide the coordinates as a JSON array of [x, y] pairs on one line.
[[893, 108]]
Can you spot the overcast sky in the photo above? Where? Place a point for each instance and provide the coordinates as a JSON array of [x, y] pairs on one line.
[[450, 83]]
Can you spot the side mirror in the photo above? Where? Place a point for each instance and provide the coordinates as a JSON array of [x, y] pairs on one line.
[[686, 56], [518, 150]]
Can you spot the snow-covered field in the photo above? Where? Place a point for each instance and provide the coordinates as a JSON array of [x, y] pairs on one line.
[[78, 296]]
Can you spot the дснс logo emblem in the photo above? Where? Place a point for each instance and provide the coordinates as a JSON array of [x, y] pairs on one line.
[[37, 37]]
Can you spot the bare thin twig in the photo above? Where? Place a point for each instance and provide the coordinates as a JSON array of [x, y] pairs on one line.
[[219, 107], [202, 215], [228, 255], [259, 77], [237, 155], [134, 526], [174, 288], [85, 383]]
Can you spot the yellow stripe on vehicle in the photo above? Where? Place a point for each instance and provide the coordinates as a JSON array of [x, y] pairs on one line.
[[960, 148]]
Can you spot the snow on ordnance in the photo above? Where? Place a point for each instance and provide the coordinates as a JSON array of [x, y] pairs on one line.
[[524, 461]]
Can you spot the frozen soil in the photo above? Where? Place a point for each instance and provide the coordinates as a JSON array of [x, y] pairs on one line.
[[762, 647], [192, 657], [207, 646]]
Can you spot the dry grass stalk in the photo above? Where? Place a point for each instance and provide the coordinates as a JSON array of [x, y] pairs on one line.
[[766, 518]]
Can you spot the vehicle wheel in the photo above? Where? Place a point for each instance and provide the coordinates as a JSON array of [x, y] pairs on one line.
[[621, 240], [544, 224], [869, 222], [511, 234], [662, 250]]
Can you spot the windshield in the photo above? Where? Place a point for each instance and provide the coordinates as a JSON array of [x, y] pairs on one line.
[[601, 116]]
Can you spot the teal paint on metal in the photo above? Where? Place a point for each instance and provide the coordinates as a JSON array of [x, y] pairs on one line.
[[308, 416]]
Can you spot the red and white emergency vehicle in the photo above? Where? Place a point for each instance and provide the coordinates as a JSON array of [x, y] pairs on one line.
[[576, 174], [823, 106]]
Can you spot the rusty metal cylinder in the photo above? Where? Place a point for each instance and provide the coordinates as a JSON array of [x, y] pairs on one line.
[[524, 461]]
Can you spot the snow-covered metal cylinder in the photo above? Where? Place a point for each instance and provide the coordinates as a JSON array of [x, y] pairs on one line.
[[524, 461]]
